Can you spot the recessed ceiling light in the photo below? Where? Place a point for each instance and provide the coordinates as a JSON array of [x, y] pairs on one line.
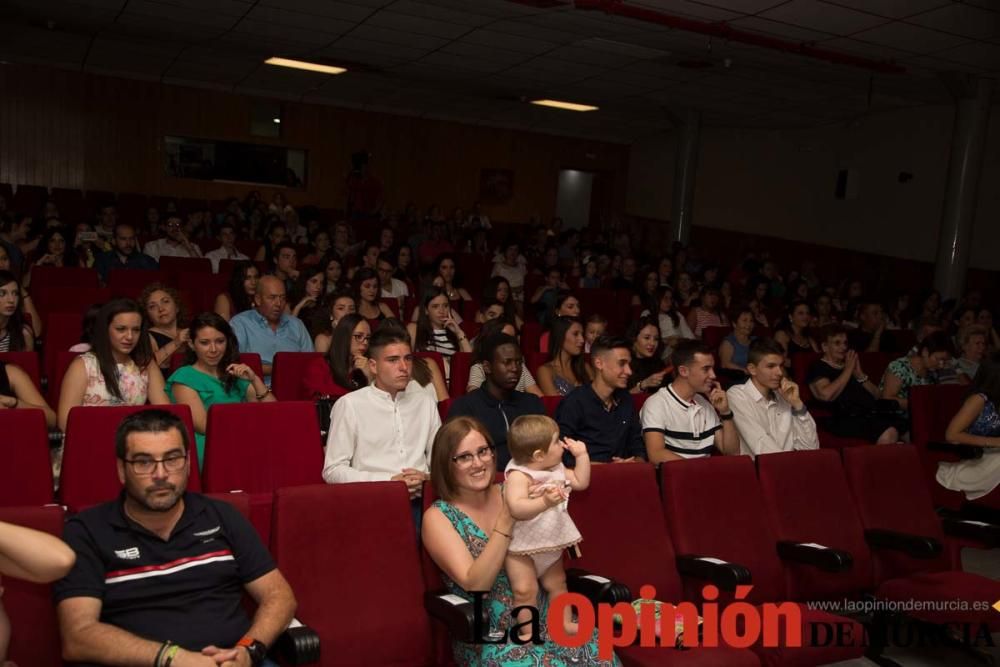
[[276, 120], [302, 64], [568, 106]]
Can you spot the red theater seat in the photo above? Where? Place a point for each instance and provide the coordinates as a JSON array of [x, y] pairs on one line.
[[130, 282], [63, 276], [286, 374], [258, 448], [89, 468], [435, 357], [551, 403], [26, 475], [461, 366], [713, 508], [35, 636], [27, 362], [66, 299], [632, 488], [931, 409], [176, 265], [360, 590], [713, 336]]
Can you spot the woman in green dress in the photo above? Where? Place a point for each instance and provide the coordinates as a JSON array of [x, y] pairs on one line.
[[213, 374], [466, 532]]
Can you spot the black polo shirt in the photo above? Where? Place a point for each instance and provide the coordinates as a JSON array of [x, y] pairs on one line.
[[497, 415], [187, 589], [607, 433]]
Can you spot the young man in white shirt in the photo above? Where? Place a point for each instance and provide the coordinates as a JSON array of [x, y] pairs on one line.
[[385, 431], [770, 415], [227, 246], [678, 422], [392, 288], [174, 243]]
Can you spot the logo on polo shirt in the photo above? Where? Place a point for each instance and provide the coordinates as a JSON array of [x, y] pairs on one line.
[[206, 533], [128, 554]]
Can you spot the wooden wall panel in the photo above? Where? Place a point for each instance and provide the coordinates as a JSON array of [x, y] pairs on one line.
[[67, 129]]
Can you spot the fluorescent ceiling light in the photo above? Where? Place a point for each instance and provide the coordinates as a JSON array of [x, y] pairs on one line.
[[302, 64], [568, 106]]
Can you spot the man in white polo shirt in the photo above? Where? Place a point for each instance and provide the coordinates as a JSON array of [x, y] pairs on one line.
[[770, 415], [678, 422]]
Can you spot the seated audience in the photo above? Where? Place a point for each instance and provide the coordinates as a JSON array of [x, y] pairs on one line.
[[174, 243], [512, 267], [792, 333], [648, 297], [823, 312], [426, 372], [53, 249], [648, 368], [367, 299], [338, 304], [673, 326], [227, 246], [590, 278], [769, 413], [984, 319], [336, 277], [471, 553], [544, 300], [972, 345], [566, 368], [267, 329], [308, 291], [498, 288], [239, 296], [87, 330], [184, 615], [708, 313], [497, 402], [406, 269], [477, 375], [917, 368], [491, 309], [685, 292], [678, 421], [165, 321], [596, 326], [436, 328], [319, 244], [213, 374], [870, 335], [445, 275], [268, 249], [601, 413], [18, 392], [384, 431], [391, 288], [564, 305], [15, 334], [735, 347], [119, 370], [976, 424], [837, 380], [285, 263], [123, 254], [344, 367]]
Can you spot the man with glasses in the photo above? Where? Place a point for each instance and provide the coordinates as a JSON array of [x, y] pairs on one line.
[[267, 328], [384, 432], [174, 244], [160, 572], [392, 288]]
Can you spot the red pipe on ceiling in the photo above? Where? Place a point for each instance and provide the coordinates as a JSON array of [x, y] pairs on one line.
[[725, 31]]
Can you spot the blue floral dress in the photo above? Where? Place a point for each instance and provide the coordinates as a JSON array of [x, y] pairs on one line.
[[499, 603]]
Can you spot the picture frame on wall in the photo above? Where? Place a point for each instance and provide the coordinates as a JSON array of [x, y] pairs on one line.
[[496, 186]]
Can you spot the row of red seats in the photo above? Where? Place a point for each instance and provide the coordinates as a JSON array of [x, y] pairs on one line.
[[756, 522]]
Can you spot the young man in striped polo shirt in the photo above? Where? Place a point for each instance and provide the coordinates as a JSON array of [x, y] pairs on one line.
[[678, 422]]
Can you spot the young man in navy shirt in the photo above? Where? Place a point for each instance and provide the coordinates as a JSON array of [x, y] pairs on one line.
[[160, 572]]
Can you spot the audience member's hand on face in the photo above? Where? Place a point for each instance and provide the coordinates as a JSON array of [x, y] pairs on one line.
[[790, 391], [719, 399]]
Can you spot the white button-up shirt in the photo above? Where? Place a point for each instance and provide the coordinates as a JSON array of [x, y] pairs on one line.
[[768, 425], [373, 437]]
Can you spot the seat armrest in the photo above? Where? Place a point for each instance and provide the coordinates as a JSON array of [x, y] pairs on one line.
[[916, 546], [958, 451], [298, 644], [816, 555], [596, 588], [727, 576], [980, 531], [457, 614]]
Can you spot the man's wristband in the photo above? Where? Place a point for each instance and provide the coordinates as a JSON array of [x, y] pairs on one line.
[[257, 650], [170, 654], [159, 654], [801, 411], [727, 416]]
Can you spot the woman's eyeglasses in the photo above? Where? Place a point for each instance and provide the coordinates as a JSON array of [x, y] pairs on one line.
[[483, 454]]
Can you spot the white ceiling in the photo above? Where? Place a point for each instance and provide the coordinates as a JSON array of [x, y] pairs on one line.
[[474, 60]]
